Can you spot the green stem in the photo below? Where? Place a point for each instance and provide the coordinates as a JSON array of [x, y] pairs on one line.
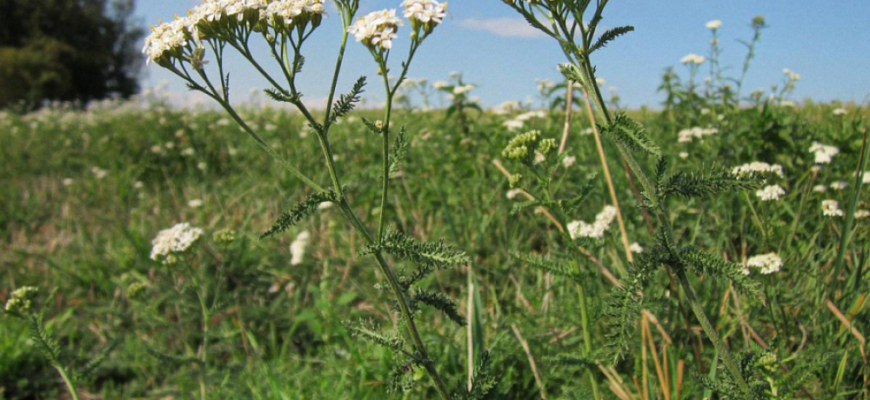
[[203, 391], [853, 202], [587, 338], [69, 384]]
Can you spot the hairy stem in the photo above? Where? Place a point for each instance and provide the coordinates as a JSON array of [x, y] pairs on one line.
[[70, 387]]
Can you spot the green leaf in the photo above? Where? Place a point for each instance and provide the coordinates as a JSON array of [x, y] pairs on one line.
[[435, 255], [400, 149], [609, 36], [347, 102], [440, 302], [706, 182], [367, 330], [716, 267], [630, 134], [299, 211]]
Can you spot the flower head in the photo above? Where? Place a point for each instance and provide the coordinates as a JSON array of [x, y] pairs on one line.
[[693, 59], [377, 30], [823, 153], [758, 167], [714, 24], [831, 208], [166, 40], [174, 241], [21, 300], [597, 228], [770, 193], [424, 13], [768, 263]]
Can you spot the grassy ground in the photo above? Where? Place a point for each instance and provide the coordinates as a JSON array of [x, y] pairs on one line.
[[82, 194]]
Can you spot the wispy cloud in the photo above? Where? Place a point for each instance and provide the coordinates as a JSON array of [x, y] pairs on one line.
[[505, 27]]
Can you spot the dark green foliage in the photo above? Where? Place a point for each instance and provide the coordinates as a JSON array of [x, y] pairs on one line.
[[300, 211], [626, 302], [609, 36], [630, 134], [555, 267], [435, 255], [67, 50], [716, 267], [367, 330], [171, 359], [440, 302], [707, 182], [347, 102], [400, 149], [87, 370], [282, 97], [482, 383]]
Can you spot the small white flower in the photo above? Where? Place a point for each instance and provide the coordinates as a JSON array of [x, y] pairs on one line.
[[297, 248], [690, 134], [174, 241], [459, 90], [99, 173], [377, 29], [820, 188], [195, 203], [201, 166], [324, 205], [138, 185], [188, 152], [866, 179], [823, 153], [684, 155], [792, 76], [635, 248], [693, 59], [568, 161], [770, 193], [840, 111], [860, 214], [428, 13], [768, 263], [758, 167], [596, 229], [67, 182], [831, 208], [714, 24], [513, 193], [839, 185]]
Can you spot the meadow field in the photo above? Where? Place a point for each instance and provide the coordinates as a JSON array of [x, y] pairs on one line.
[[496, 263]]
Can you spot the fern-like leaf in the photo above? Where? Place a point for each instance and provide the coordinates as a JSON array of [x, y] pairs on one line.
[[299, 211], [716, 267], [347, 102], [440, 302], [85, 371], [46, 344], [552, 266], [400, 150], [367, 330], [631, 134], [609, 36], [435, 255], [705, 183]]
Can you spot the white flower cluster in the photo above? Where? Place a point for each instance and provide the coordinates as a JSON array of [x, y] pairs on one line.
[[861, 214], [866, 178], [596, 229], [693, 59], [758, 167], [173, 241], [840, 111], [462, 89], [714, 24], [839, 185], [831, 208], [688, 135], [377, 29], [767, 263], [792, 76], [427, 13], [297, 248], [770, 193], [205, 21], [520, 120], [823, 153]]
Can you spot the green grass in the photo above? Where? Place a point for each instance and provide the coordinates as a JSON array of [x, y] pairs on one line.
[[279, 335]]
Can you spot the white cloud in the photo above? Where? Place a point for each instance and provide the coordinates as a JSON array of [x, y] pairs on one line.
[[505, 27]]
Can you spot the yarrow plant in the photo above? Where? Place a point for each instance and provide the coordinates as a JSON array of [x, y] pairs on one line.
[[187, 45], [574, 25]]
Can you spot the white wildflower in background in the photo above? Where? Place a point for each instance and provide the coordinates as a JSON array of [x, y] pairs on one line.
[[767, 263], [377, 29], [138, 185], [839, 185], [438, 85], [67, 182], [684, 155], [568, 161], [460, 90], [839, 111], [866, 179], [324, 205], [99, 173], [770, 193], [171, 242], [792, 76], [520, 120], [297, 248], [164, 39], [513, 193], [201, 166], [693, 59], [820, 188], [823, 153], [596, 229], [188, 152], [690, 134], [758, 167], [587, 131], [714, 24], [195, 203], [831, 208], [635, 248], [860, 214]]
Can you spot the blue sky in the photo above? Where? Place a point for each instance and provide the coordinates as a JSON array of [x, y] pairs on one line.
[[826, 42]]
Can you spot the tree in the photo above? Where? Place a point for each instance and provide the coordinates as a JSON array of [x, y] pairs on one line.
[[67, 50]]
